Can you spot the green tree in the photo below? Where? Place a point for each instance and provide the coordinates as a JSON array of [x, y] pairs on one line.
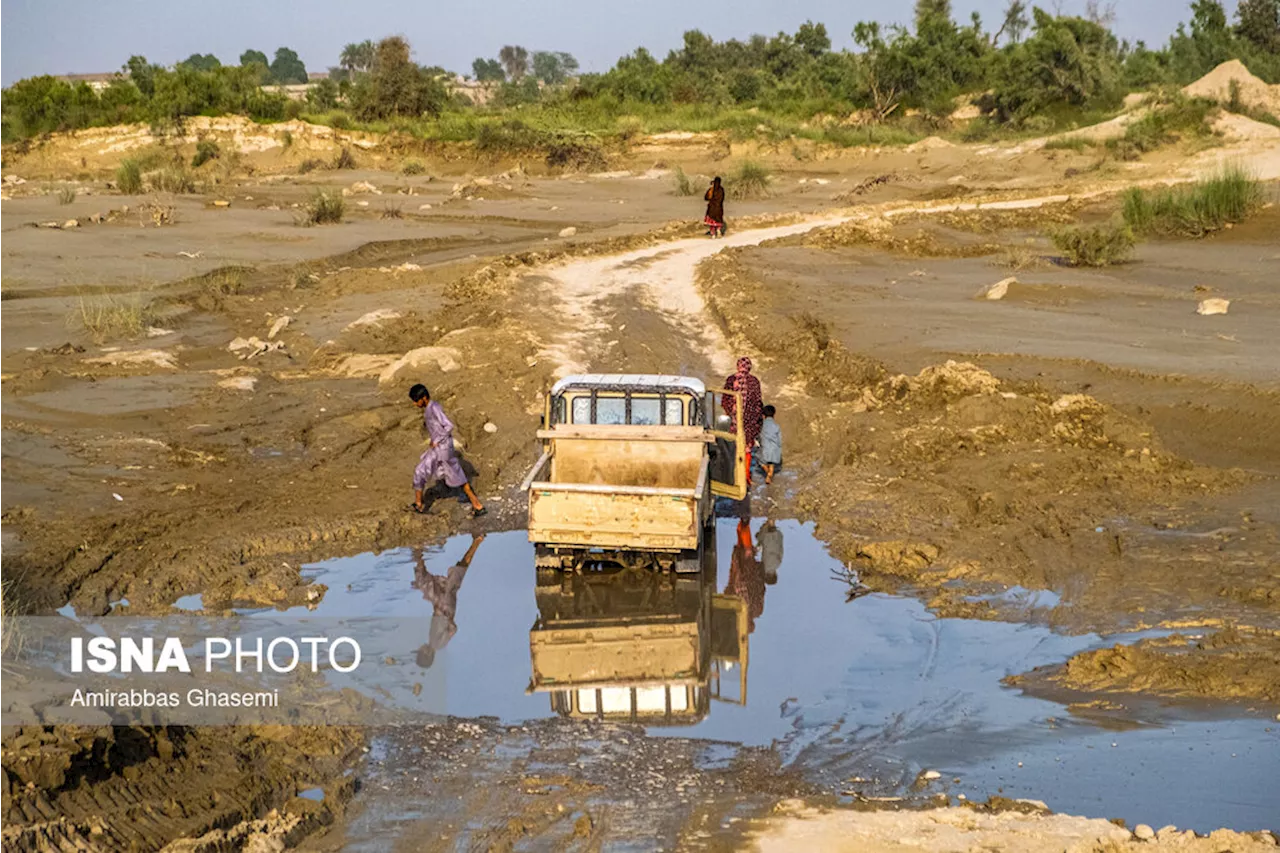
[[813, 39], [515, 60], [1015, 23], [323, 96], [254, 57], [1258, 21], [205, 62], [487, 70], [1067, 60], [553, 68], [357, 56], [143, 74], [287, 68], [395, 86]]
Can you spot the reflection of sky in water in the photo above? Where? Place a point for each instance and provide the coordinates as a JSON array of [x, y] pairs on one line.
[[836, 685]]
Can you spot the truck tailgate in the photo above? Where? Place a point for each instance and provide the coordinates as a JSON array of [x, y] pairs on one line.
[[613, 654], [613, 518]]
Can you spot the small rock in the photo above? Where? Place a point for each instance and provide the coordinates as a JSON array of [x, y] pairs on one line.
[[1213, 306], [424, 207], [1000, 289], [490, 427], [1144, 832], [363, 203], [239, 383], [1164, 833], [70, 223], [930, 775], [278, 326], [568, 232], [116, 496], [221, 203]]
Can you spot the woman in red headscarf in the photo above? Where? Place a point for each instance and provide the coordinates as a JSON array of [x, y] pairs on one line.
[[714, 197], [752, 404]]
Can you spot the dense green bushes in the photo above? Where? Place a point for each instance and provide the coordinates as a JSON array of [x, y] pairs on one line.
[[1196, 209]]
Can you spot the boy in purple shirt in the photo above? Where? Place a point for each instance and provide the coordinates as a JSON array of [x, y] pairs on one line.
[[440, 461]]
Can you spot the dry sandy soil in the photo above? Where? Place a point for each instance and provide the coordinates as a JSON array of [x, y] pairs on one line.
[[1089, 433]]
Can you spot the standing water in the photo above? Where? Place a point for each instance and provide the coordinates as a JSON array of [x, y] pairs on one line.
[[767, 648]]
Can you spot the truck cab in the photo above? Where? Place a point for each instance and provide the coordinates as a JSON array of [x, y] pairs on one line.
[[630, 469]]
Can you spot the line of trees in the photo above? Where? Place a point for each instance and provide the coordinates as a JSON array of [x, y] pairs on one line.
[[1033, 62]]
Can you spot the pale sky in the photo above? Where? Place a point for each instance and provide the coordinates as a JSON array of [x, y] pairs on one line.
[[83, 36]]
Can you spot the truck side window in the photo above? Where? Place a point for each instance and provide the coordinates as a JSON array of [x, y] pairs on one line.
[[611, 410], [582, 410], [675, 412], [645, 411]]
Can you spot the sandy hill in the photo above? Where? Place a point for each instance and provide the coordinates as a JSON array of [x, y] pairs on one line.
[[1253, 91]]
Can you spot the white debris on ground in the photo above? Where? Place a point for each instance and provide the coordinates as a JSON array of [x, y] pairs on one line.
[[247, 348], [239, 383], [373, 318], [568, 232], [1001, 288], [444, 359], [278, 326], [1213, 306], [137, 358]]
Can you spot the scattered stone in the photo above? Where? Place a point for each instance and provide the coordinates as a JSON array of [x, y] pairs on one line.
[[361, 188], [137, 358], [157, 332], [362, 203], [568, 232], [424, 207], [116, 496], [255, 346], [930, 775], [278, 326], [221, 202], [70, 223], [444, 359], [239, 383], [1144, 832], [1213, 306], [374, 318], [490, 427], [1001, 288], [1075, 404]]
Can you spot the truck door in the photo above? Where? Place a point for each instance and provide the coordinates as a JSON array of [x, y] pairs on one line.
[[729, 645], [728, 466]]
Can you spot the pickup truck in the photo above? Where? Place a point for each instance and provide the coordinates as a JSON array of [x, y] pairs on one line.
[[630, 469]]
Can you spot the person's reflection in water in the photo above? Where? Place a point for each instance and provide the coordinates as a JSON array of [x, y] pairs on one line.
[[769, 541], [746, 575], [442, 592]]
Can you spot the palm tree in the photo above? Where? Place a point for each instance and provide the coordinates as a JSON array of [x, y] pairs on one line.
[[357, 56], [515, 60]]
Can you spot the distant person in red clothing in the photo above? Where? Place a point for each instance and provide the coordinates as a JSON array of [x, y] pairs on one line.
[[714, 220], [752, 405]]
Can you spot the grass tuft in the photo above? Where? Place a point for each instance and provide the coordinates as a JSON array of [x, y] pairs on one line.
[[683, 183], [206, 150], [345, 160], [1097, 246], [752, 180], [392, 211], [310, 165], [1195, 210], [413, 167], [106, 317], [66, 195], [129, 176], [325, 208]]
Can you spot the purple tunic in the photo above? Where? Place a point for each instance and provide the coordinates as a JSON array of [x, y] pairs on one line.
[[442, 592], [439, 462]]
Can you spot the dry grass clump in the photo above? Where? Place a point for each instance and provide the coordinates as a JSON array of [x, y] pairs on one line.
[[106, 317], [325, 208], [1095, 246]]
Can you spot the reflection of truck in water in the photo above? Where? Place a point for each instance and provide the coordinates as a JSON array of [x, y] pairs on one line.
[[639, 646], [630, 469]]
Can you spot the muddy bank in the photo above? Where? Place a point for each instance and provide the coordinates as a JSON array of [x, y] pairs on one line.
[[1226, 665]]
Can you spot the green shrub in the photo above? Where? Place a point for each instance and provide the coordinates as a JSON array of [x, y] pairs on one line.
[[129, 176], [345, 160], [1165, 124], [1195, 210], [206, 150], [1097, 246], [1068, 143], [413, 167], [578, 152], [340, 121], [750, 181], [107, 316], [173, 179], [310, 165], [325, 207], [684, 184], [66, 195]]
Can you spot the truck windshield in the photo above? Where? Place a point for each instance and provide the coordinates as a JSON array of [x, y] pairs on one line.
[[612, 410]]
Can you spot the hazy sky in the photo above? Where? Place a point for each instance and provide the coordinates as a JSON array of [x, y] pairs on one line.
[[80, 36]]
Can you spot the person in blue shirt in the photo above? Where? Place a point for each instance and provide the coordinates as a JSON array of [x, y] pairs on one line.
[[770, 443]]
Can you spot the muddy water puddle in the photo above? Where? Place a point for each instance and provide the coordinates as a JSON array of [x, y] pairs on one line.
[[765, 649]]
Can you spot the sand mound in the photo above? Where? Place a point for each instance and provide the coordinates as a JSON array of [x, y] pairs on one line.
[[931, 143], [1244, 128], [1253, 91]]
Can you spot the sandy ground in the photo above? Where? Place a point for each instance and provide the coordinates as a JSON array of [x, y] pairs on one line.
[[1088, 434]]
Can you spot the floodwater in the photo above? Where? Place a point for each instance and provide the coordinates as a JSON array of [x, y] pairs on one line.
[[777, 655]]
